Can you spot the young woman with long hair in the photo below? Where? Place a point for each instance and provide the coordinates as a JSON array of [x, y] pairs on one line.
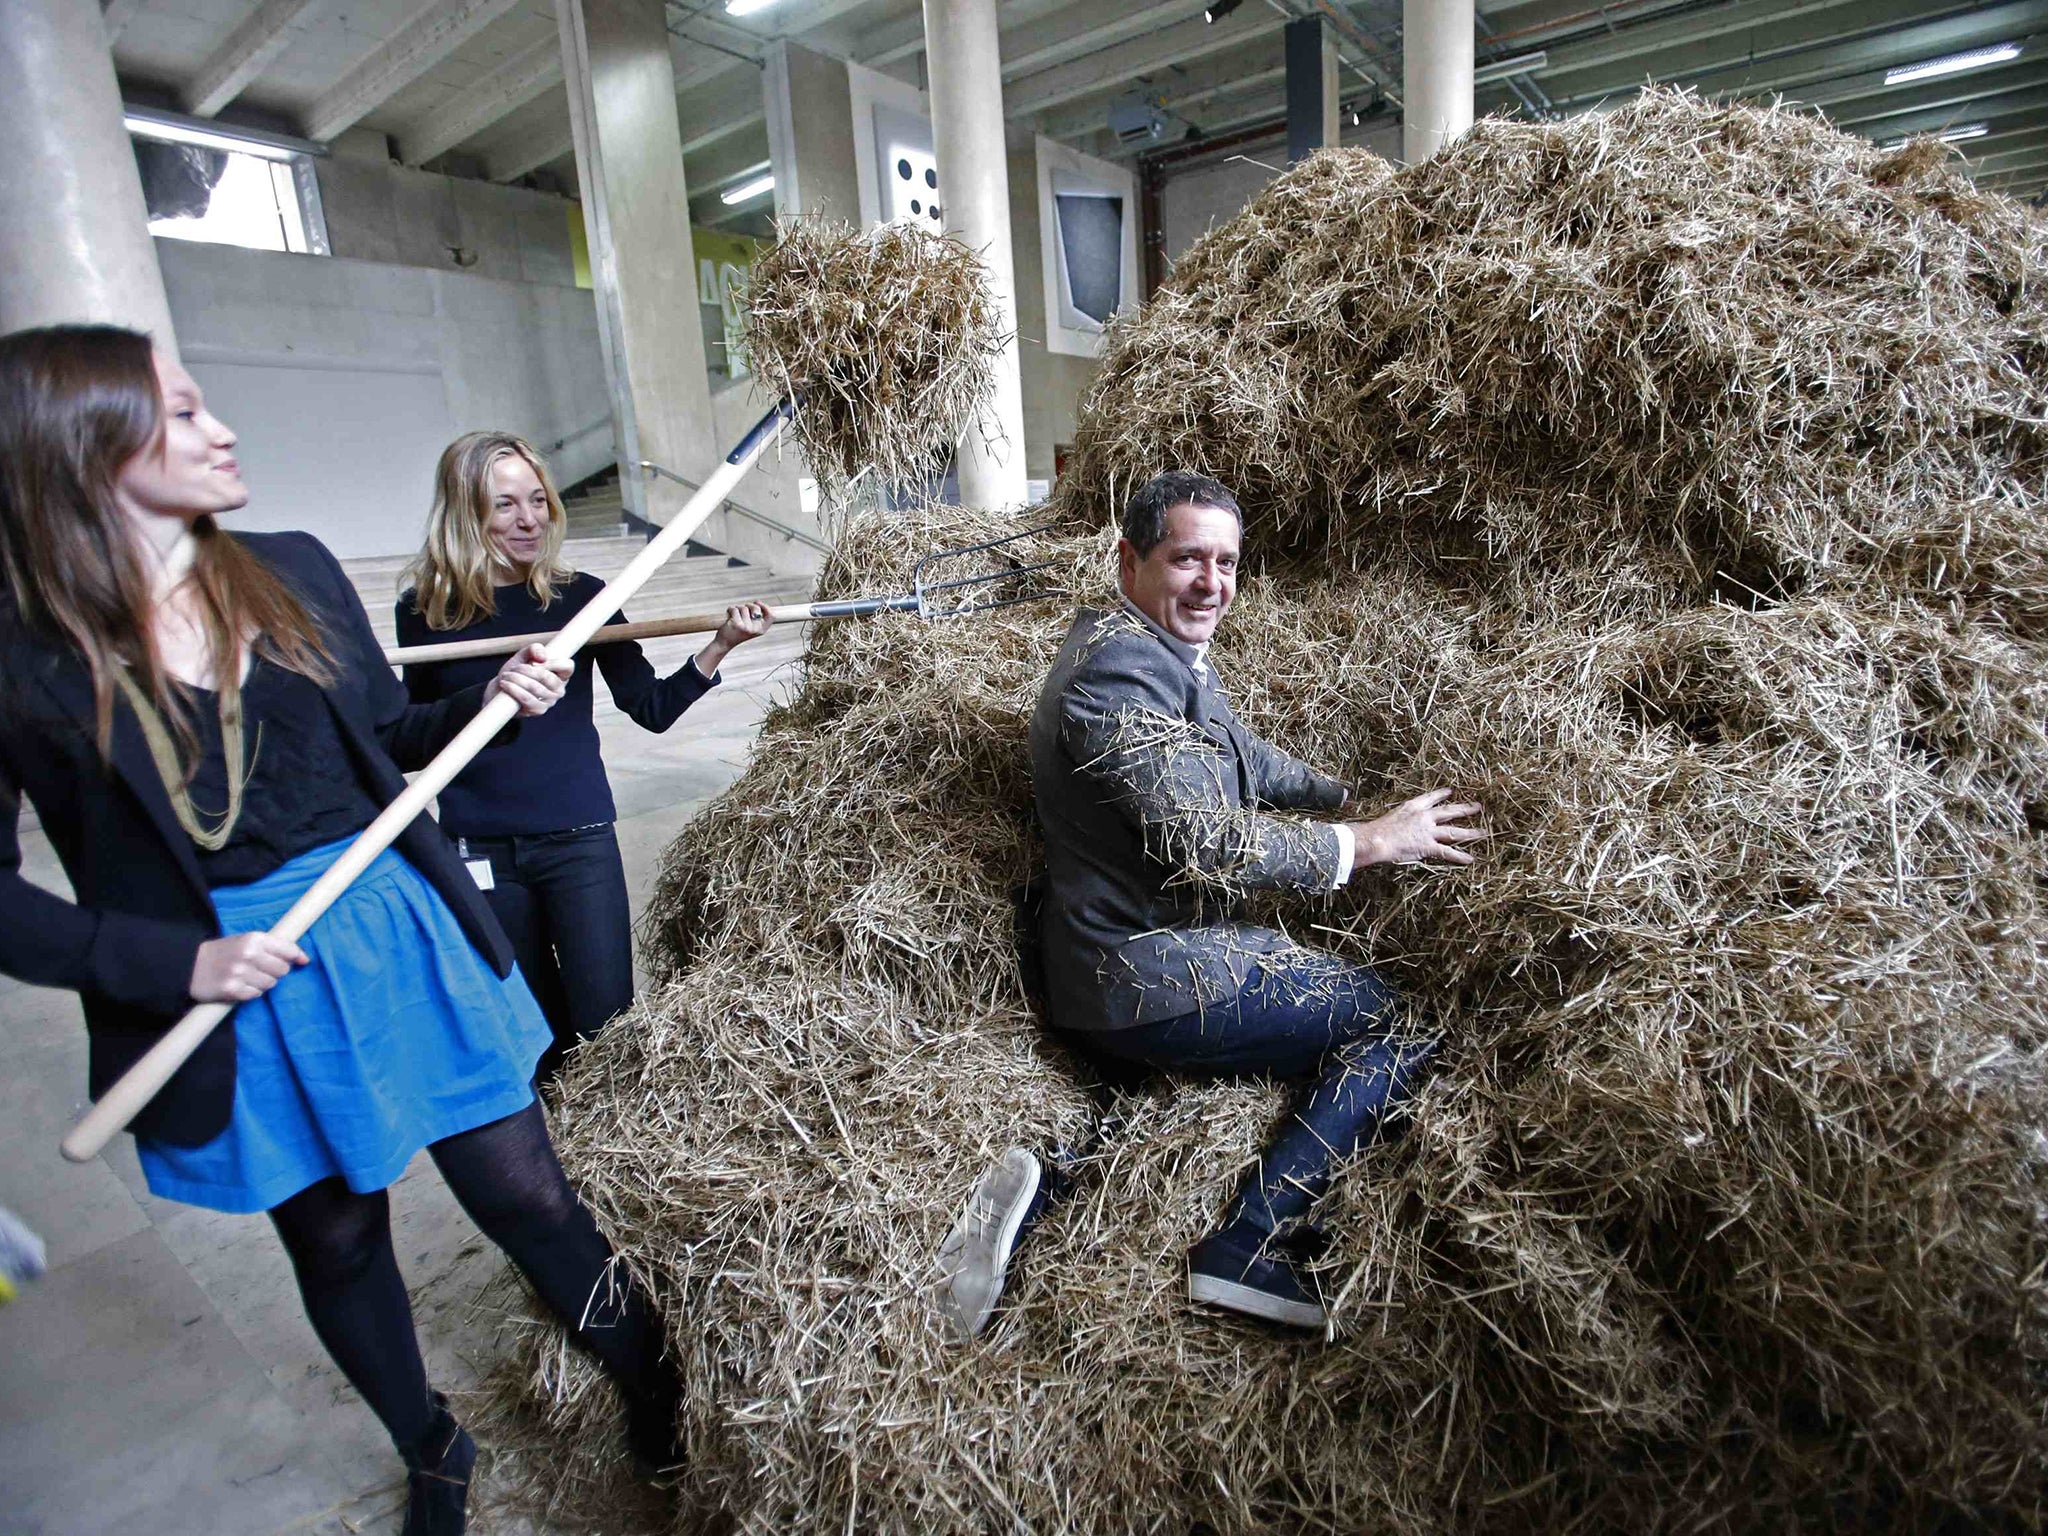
[[538, 812], [203, 721]]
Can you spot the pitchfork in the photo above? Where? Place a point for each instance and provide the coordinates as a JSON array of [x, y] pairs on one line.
[[927, 598]]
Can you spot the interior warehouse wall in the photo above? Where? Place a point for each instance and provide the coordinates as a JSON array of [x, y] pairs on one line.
[[1053, 382], [1193, 201], [346, 375]]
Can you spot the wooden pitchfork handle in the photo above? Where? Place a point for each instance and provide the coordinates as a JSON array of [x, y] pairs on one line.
[[646, 629], [123, 1101]]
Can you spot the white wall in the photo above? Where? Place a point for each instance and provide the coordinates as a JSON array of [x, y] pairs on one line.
[[350, 375], [380, 211]]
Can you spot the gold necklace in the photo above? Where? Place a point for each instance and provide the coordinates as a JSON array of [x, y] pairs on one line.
[[165, 754]]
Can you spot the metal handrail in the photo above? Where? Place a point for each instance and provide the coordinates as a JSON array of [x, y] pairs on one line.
[[584, 431], [747, 512]]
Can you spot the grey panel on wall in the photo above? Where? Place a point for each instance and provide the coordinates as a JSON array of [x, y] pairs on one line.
[[1092, 240], [346, 453]]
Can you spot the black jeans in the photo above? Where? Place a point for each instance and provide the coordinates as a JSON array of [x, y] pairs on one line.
[[561, 899], [1300, 1015]]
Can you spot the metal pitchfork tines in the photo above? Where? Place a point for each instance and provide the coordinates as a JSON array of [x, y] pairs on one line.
[[920, 599]]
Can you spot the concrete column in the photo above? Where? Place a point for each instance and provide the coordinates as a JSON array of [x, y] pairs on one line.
[[809, 105], [966, 95], [636, 215], [74, 239], [1311, 55], [1436, 75]]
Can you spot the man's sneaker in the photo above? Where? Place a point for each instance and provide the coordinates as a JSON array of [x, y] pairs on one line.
[[1227, 1272], [976, 1253]]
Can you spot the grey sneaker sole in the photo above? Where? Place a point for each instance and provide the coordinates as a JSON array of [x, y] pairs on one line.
[[1218, 1292], [975, 1257]]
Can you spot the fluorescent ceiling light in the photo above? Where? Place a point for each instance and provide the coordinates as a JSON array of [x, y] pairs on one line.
[[1524, 64], [1947, 136], [746, 7], [176, 128], [1954, 64], [748, 190]]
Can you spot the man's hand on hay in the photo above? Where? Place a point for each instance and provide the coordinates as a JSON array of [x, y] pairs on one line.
[[1417, 830]]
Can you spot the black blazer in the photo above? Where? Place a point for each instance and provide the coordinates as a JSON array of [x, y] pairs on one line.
[[128, 945]]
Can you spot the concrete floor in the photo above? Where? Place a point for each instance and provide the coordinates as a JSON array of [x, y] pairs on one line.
[[162, 1377]]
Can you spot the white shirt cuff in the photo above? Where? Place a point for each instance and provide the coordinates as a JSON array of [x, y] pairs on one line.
[[1347, 852]]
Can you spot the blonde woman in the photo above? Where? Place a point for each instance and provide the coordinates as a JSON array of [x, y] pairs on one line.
[[533, 816]]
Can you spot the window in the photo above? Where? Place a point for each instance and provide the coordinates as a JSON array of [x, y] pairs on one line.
[[208, 184]]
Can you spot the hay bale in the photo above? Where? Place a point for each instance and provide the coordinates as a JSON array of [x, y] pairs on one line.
[[1673, 479], [886, 339]]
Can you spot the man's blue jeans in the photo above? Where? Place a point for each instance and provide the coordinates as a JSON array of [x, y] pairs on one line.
[[1300, 1015]]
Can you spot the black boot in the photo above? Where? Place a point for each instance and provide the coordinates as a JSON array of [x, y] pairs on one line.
[[437, 1484], [651, 1437]]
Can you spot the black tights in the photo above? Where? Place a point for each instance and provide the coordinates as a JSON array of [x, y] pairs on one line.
[[507, 1178]]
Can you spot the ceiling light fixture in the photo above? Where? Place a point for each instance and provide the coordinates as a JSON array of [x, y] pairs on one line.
[[1953, 64], [1507, 69], [176, 128], [746, 7], [1219, 8], [747, 191], [1957, 135]]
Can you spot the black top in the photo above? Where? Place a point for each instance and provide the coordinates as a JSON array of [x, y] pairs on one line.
[[553, 777], [126, 942], [302, 792]]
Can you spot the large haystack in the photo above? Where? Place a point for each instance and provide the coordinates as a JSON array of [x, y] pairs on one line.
[[1672, 479]]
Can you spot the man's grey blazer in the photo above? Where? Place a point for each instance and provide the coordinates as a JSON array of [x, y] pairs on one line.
[[1150, 792]]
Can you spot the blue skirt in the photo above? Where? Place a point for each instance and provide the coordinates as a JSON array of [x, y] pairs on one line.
[[396, 1034]]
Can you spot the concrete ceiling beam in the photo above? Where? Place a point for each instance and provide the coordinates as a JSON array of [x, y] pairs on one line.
[[531, 148], [1523, 27], [264, 34], [1942, 103], [443, 28], [1111, 68], [1796, 56], [713, 102], [1650, 39], [1891, 125], [2027, 157], [510, 86], [723, 128], [727, 163], [1037, 41], [115, 16], [2013, 126], [1180, 90], [753, 33], [1856, 71]]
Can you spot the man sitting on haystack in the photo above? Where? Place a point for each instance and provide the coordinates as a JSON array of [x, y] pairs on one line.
[[1152, 795]]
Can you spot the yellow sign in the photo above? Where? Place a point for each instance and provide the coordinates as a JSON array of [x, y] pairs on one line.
[[724, 264]]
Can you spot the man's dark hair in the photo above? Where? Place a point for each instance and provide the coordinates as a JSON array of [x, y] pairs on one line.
[[1145, 517]]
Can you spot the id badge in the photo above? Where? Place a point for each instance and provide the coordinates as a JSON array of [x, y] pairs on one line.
[[480, 872]]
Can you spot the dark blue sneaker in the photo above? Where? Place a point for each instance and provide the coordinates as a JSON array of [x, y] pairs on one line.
[[975, 1257], [1226, 1270]]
